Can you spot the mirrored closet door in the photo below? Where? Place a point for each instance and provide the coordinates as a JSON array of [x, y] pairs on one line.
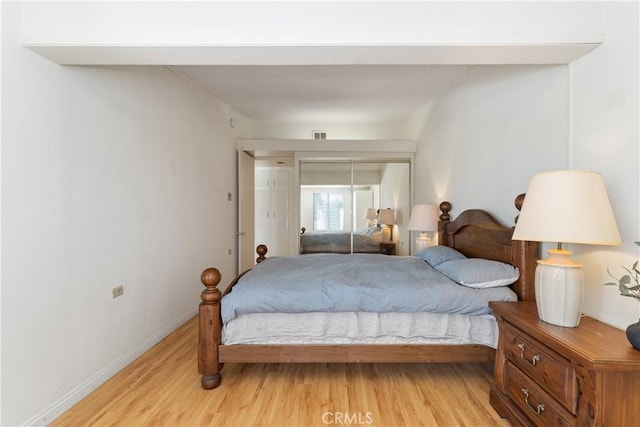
[[341, 202]]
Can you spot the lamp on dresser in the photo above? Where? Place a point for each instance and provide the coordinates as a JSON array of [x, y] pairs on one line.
[[386, 218], [569, 206], [370, 215], [424, 218]]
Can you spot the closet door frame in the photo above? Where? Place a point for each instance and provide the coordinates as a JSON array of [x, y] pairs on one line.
[[363, 149]]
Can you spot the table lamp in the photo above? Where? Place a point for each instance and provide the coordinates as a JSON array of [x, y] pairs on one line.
[[386, 218], [370, 215], [569, 206], [424, 218]]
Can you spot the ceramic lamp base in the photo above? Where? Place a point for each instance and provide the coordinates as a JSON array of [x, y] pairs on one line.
[[559, 289], [422, 241], [386, 233]]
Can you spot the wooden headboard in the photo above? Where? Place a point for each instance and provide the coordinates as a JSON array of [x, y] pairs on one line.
[[477, 234]]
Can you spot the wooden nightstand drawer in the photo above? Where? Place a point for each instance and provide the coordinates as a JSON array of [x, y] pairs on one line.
[[591, 364], [549, 370], [388, 248], [541, 408]]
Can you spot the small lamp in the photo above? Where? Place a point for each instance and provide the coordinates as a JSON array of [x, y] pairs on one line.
[[566, 207], [386, 218], [424, 218], [370, 216]]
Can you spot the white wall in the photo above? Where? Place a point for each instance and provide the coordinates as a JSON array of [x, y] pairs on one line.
[[110, 176], [351, 130], [395, 193], [605, 138], [484, 139], [1, 133]]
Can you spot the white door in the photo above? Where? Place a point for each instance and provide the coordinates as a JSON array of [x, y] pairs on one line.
[[279, 222], [272, 209], [246, 221], [262, 208]]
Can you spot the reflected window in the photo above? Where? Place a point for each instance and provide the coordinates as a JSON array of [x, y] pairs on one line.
[[328, 211]]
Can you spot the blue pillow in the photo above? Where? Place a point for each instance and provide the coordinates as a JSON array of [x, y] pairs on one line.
[[436, 255], [371, 230], [479, 273]]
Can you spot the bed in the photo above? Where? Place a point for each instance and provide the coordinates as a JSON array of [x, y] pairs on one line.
[[474, 233], [365, 241]]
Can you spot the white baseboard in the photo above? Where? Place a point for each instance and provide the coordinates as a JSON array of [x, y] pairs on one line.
[[81, 391]]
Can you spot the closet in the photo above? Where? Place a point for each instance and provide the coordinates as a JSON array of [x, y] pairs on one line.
[[272, 208], [269, 188], [335, 195]]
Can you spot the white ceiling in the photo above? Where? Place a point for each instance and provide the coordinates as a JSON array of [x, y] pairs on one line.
[[325, 93]]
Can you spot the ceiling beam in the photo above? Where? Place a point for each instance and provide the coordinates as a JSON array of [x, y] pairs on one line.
[[544, 52]]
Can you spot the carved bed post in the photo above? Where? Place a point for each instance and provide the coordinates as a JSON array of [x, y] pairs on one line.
[[210, 329], [443, 237], [262, 252], [527, 252], [518, 204]]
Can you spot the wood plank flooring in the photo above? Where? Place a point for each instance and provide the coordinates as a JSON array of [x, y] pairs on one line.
[[162, 388]]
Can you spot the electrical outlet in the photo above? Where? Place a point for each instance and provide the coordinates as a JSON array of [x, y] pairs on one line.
[[118, 291], [229, 252]]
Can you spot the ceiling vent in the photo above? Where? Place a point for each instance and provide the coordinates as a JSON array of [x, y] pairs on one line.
[[319, 134]]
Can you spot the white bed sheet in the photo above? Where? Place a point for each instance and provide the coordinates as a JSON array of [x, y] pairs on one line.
[[361, 328]]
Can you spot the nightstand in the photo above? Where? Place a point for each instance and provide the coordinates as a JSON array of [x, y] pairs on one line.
[[552, 375], [388, 248]]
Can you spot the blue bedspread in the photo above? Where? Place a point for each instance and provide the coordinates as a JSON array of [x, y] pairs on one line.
[[356, 282]]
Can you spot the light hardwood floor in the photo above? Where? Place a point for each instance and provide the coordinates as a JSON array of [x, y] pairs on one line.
[[162, 387]]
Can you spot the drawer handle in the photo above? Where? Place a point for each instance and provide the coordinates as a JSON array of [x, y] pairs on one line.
[[538, 409], [531, 362]]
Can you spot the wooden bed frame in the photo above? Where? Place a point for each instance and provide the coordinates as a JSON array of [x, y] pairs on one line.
[[474, 232]]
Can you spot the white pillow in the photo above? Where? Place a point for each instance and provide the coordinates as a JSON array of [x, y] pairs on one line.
[[479, 273]]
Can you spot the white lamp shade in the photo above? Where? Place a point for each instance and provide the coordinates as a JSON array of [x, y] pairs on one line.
[[370, 214], [423, 218], [568, 206], [564, 206], [386, 217]]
